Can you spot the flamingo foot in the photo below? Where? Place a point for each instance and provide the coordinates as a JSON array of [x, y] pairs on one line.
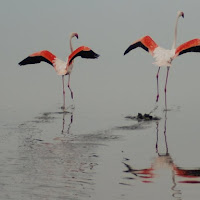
[[63, 107]]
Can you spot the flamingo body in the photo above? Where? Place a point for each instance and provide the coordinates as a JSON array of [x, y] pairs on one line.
[[60, 66], [163, 57]]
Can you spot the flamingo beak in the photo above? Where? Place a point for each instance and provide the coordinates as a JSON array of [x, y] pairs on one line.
[[182, 14], [76, 35]]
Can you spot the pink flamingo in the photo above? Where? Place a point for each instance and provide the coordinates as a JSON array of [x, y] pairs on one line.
[[164, 57], [61, 67]]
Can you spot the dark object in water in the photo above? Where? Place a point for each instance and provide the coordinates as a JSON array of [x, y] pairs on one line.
[[145, 117]]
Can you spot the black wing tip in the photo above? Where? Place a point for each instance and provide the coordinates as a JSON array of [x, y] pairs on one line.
[[23, 62], [135, 45], [127, 50], [34, 60], [95, 55], [192, 49]]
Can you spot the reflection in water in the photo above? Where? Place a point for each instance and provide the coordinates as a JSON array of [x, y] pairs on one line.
[[165, 136], [45, 167], [179, 175], [70, 123]]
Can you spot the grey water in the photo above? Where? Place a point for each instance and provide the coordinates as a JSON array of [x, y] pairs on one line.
[[92, 151]]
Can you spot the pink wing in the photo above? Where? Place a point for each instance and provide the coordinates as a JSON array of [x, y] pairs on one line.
[[84, 52], [190, 46], [146, 42], [38, 57]]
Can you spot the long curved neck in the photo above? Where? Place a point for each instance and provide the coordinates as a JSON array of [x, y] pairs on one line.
[[70, 44], [175, 33]]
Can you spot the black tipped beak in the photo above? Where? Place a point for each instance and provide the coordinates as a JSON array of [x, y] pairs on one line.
[[76, 36], [182, 15]]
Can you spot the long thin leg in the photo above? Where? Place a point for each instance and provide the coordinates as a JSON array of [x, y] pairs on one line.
[[72, 96], [63, 82], [166, 88], [157, 84]]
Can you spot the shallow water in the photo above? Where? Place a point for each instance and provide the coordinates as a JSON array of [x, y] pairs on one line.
[[93, 151]]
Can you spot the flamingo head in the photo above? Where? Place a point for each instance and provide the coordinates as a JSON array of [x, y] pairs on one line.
[[180, 14], [74, 35]]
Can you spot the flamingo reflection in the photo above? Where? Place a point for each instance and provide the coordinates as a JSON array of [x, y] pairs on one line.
[[165, 136], [69, 124], [164, 160]]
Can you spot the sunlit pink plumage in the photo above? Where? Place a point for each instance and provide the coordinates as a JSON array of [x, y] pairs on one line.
[[61, 67], [164, 57]]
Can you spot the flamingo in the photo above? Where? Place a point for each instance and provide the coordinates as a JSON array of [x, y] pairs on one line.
[[61, 67], [164, 57]]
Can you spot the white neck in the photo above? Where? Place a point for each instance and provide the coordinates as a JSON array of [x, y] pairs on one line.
[[70, 43], [175, 33]]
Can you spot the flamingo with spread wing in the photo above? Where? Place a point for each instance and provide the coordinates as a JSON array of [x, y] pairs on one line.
[[164, 57], [61, 67]]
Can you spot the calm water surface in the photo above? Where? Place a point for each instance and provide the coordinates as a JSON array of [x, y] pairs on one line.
[[93, 151]]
